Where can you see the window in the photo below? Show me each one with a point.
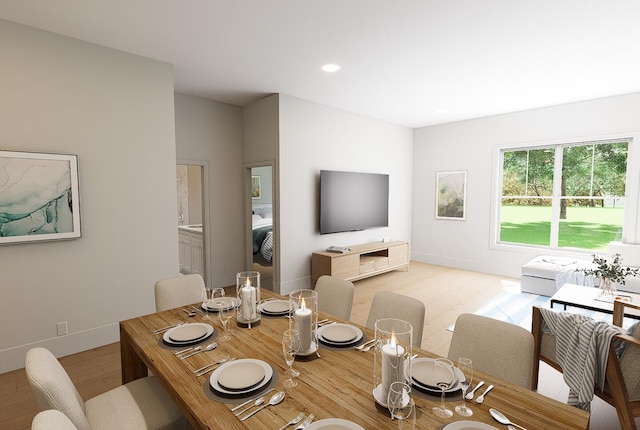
(564, 196)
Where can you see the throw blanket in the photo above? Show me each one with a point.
(582, 346)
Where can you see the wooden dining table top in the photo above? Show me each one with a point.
(337, 384)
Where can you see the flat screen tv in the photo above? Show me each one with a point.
(352, 201)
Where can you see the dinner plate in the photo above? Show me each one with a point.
(236, 368)
(187, 333)
(467, 425)
(242, 376)
(334, 424)
(330, 335)
(275, 307)
(214, 305)
(422, 375)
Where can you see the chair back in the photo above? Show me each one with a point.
(178, 291)
(52, 419)
(495, 347)
(52, 387)
(335, 296)
(386, 304)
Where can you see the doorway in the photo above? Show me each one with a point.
(262, 220)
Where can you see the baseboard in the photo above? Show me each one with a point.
(61, 346)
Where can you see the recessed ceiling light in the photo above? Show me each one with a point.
(330, 67)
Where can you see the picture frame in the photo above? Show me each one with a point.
(451, 195)
(256, 188)
(39, 197)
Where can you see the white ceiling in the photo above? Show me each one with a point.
(409, 62)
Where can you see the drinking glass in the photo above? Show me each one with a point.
(443, 377)
(206, 296)
(399, 402)
(290, 346)
(466, 367)
(211, 302)
(226, 310)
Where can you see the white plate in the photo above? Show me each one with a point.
(213, 305)
(242, 376)
(339, 333)
(334, 424)
(310, 351)
(467, 425)
(213, 379)
(275, 307)
(421, 374)
(182, 332)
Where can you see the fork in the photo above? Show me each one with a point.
(366, 346)
(305, 423)
(294, 421)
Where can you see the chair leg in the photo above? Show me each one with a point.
(619, 392)
(536, 330)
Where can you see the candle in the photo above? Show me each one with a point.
(303, 325)
(392, 364)
(248, 297)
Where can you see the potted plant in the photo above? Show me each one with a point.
(610, 272)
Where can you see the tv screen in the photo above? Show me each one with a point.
(351, 201)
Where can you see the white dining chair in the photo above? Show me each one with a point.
(335, 296)
(496, 347)
(52, 419)
(178, 291)
(386, 304)
(141, 404)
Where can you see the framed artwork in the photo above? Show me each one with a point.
(256, 189)
(39, 198)
(451, 195)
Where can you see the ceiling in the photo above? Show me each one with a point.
(409, 62)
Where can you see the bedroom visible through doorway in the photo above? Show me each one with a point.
(262, 223)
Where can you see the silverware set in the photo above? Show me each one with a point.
(211, 366)
(163, 329)
(324, 322)
(364, 347)
(190, 352)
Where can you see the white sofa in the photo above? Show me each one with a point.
(545, 274)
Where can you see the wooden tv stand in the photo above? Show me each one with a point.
(362, 261)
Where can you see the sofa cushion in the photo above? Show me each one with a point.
(629, 253)
(546, 266)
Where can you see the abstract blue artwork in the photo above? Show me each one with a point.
(39, 197)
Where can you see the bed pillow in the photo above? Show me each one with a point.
(255, 217)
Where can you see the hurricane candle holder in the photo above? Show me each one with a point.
(248, 291)
(392, 357)
(304, 319)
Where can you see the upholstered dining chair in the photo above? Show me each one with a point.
(622, 375)
(386, 304)
(140, 404)
(178, 291)
(52, 419)
(335, 296)
(495, 347)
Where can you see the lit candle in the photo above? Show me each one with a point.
(303, 325)
(392, 364)
(248, 296)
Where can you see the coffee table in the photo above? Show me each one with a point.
(590, 298)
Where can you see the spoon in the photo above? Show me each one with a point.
(258, 402)
(480, 398)
(469, 396)
(499, 416)
(275, 399)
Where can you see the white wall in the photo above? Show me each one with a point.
(471, 145)
(314, 137)
(115, 111)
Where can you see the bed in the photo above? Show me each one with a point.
(262, 240)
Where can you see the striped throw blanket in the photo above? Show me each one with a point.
(582, 346)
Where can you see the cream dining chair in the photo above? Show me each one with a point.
(52, 419)
(386, 304)
(141, 404)
(335, 296)
(178, 291)
(495, 347)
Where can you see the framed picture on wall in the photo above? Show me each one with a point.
(256, 190)
(451, 195)
(39, 198)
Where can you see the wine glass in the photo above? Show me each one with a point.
(443, 377)
(226, 310)
(206, 296)
(466, 367)
(290, 346)
(401, 405)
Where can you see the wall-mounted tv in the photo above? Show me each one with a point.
(352, 201)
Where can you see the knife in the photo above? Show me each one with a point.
(305, 423)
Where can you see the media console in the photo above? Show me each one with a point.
(361, 261)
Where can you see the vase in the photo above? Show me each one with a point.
(608, 288)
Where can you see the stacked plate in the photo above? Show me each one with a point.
(422, 376)
(187, 334)
(275, 308)
(240, 377)
(215, 305)
(339, 335)
(334, 424)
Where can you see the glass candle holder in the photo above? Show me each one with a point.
(392, 357)
(304, 319)
(248, 291)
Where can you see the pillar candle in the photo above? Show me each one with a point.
(303, 325)
(392, 365)
(248, 296)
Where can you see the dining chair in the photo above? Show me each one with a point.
(52, 419)
(178, 291)
(622, 374)
(495, 347)
(386, 304)
(335, 296)
(140, 404)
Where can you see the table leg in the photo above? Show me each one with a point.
(132, 366)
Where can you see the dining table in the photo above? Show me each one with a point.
(333, 383)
